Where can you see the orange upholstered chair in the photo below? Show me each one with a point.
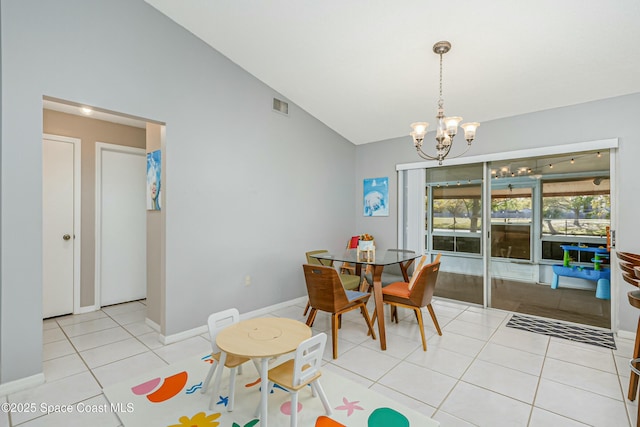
(415, 294)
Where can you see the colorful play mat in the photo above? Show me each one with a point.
(171, 397)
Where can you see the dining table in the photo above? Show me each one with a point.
(375, 260)
(260, 338)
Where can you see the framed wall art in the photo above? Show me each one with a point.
(154, 184)
(376, 196)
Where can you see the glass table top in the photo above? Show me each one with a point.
(375, 257)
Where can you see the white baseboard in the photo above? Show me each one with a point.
(87, 309)
(21, 384)
(153, 325)
(266, 310)
(168, 339)
(627, 335)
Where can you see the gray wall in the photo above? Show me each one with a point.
(1, 121)
(248, 191)
(603, 119)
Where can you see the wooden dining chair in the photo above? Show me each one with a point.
(327, 294)
(627, 262)
(304, 369)
(628, 268)
(414, 295)
(217, 322)
(634, 301)
(628, 257)
(349, 281)
(631, 278)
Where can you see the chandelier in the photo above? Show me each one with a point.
(447, 127)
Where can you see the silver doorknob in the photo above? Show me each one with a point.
(66, 237)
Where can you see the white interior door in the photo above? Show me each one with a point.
(121, 262)
(59, 188)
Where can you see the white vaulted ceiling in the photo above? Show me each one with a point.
(366, 67)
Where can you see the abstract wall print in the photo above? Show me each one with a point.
(154, 161)
(376, 196)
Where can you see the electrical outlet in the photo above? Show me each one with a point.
(247, 280)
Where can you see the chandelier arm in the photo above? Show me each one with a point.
(425, 155)
(458, 155)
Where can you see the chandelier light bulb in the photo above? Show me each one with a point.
(452, 125)
(470, 131)
(420, 127)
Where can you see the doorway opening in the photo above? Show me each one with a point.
(89, 127)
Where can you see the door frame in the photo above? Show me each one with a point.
(100, 147)
(77, 210)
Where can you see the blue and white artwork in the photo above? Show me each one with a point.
(376, 196)
(153, 180)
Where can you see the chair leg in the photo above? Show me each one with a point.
(232, 389)
(306, 309)
(217, 379)
(312, 317)
(374, 316)
(365, 286)
(323, 397)
(434, 318)
(207, 380)
(334, 334)
(633, 379)
(367, 319)
(421, 326)
(394, 313)
(294, 409)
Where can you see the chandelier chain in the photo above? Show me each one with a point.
(440, 100)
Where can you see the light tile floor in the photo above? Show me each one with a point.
(478, 373)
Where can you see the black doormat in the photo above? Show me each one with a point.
(562, 330)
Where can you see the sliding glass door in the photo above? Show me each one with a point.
(513, 229)
(454, 226)
(534, 207)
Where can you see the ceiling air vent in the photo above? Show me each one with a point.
(280, 106)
